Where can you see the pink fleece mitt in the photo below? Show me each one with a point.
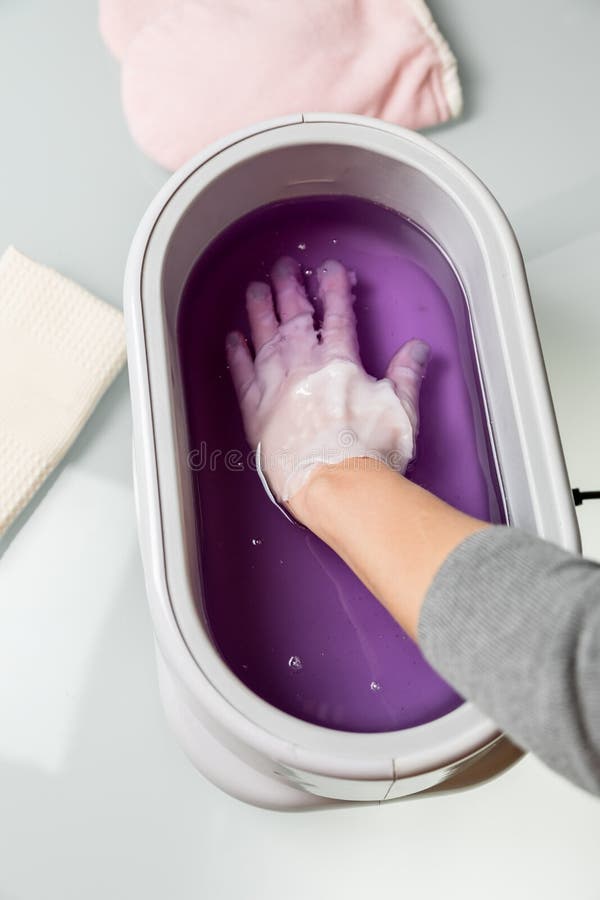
(194, 70)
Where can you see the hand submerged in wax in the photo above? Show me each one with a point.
(305, 397)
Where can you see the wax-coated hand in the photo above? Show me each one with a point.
(305, 396)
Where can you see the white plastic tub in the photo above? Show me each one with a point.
(251, 749)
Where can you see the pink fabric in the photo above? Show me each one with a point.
(194, 70)
(120, 20)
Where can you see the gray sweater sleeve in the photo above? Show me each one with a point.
(513, 622)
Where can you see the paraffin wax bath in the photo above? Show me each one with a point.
(285, 613)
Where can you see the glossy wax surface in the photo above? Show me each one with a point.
(288, 617)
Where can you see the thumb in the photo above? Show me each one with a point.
(406, 371)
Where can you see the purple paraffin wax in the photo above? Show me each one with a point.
(285, 613)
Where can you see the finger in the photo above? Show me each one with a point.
(241, 365)
(406, 371)
(338, 334)
(289, 289)
(261, 314)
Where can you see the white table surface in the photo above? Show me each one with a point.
(96, 799)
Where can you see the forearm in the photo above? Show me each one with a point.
(392, 533)
(511, 621)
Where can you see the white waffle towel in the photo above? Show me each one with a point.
(60, 348)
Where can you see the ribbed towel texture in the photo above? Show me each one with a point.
(60, 348)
